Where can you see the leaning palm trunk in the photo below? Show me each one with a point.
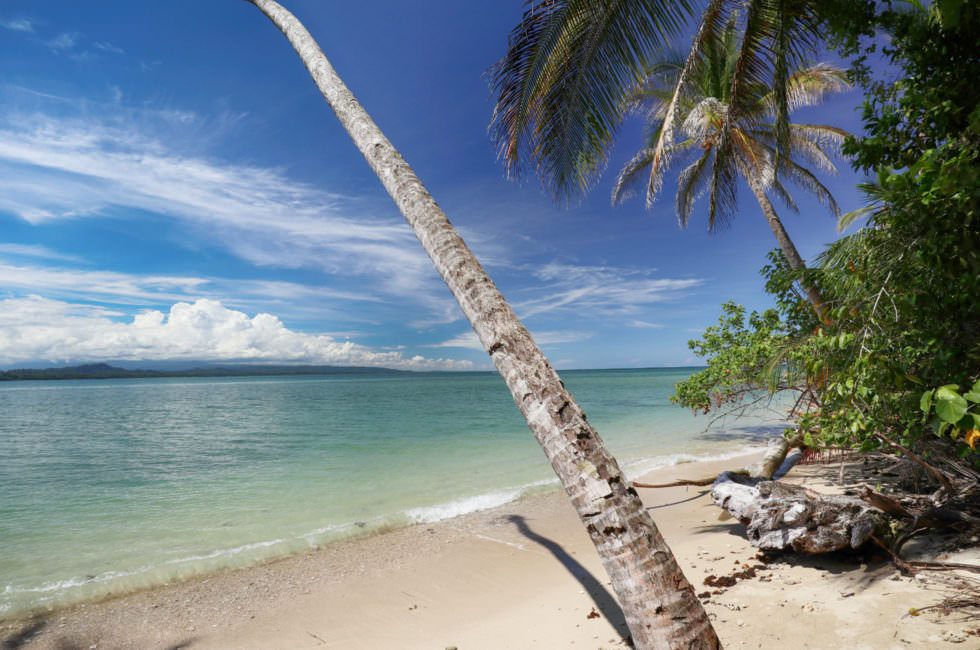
(659, 604)
(787, 247)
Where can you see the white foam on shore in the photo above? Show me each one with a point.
(637, 468)
(61, 586)
(475, 503)
(227, 552)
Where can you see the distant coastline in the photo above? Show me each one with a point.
(106, 371)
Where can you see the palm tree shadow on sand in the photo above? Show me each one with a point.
(25, 636)
(604, 601)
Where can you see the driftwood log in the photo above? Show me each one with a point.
(780, 516)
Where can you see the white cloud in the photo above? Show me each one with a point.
(596, 290)
(41, 252)
(64, 41)
(105, 46)
(35, 328)
(121, 288)
(18, 25)
(112, 287)
(642, 323)
(469, 339)
(58, 168)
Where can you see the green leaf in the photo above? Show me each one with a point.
(925, 403)
(950, 405)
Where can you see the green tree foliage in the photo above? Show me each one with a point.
(749, 358)
(903, 293)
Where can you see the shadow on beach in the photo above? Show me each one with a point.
(604, 601)
(37, 633)
(750, 434)
(21, 637)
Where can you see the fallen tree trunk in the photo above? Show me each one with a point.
(775, 454)
(780, 516)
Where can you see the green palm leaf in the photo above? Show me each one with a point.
(561, 85)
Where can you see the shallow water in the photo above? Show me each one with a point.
(108, 486)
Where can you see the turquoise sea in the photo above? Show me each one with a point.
(113, 485)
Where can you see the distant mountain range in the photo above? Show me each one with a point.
(105, 371)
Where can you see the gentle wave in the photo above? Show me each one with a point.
(62, 591)
(637, 468)
(475, 503)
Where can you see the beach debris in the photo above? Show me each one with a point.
(593, 614)
(951, 636)
(316, 637)
(781, 516)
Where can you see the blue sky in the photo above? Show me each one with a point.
(172, 186)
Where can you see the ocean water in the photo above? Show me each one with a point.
(109, 486)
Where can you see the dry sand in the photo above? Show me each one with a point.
(523, 575)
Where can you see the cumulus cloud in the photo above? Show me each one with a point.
(35, 328)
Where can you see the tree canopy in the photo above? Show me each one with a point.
(897, 364)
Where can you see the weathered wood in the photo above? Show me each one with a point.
(780, 516)
(775, 454)
(884, 503)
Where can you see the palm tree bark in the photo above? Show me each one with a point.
(786, 245)
(659, 604)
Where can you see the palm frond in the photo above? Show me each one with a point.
(845, 220)
(812, 152)
(708, 30)
(807, 181)
(780, 76)
(722, 192)
(651, 97)
(809, 142)
(631, 175)
(808, 87)
(780, 190)
(843, 250)
(561, 84)
(825, 136)
(691, 186)
(635, 171)
(702, 118)
(748, 72)
(873, 190)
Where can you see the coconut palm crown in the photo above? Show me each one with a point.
(703, 110)
(569, 63)
(691, 113)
